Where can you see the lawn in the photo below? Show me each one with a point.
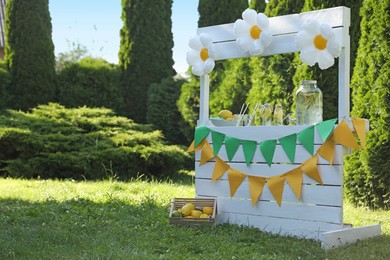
(49, 219)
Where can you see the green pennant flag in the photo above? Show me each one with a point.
(325, 128)
(231, 145)
(201, 132)
(249, 148)
(217, 139)
(267, 148)
(289, 144)
(306, 137)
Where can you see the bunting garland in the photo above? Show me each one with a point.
(329, 134)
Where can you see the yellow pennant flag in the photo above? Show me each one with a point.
(294, 179)
(207, 153)
(310, 168)
(191, 148)
(327, 150)
(343, 135)
(276, 186)
(235, 179)
(220, 168)
(256, 185)
(360, 127)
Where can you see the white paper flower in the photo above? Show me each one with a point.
(317, 43)
(252, 34)
(201, 57)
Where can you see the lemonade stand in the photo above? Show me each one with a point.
(286, 180)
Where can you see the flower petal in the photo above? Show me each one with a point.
(240, 28)
(333, 47)
(265, 38)
(244, 43)
(309, 56)
(326, 31)
(250, 16)
(325, 60)
(192, 57)
(206, 40)
(198, 68)
(208, 66)
(195, 43)
(311, 26)
(262, 21)
(256, 48)
(303, 40)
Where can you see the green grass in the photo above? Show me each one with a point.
(47, 219)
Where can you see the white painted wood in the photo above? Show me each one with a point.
(280, 226)
(288, 211)
(301, 155)
(204, 100)
(311, 194)
(333, 239)
(331, 175)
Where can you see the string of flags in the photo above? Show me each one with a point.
(330, 135)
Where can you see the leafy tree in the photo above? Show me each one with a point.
(145, 54)
(258, 5)
(272, 76)
(65, 59)
(327, 80)
(367, 172)
(29, 53)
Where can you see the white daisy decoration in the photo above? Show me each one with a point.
(201, 57)
(252, 32)
(317, 43)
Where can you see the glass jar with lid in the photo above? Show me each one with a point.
(308, 103)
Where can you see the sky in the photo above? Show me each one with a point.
(95, 24)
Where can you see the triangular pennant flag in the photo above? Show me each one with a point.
(276, 186)
(294, 179)
(220, 167)
(207, 153)
(201, 132)
(306, 137)
(325, 128)
(235, 179)
(267, 148)
(256, 185)
(249, 148)
(217, 139)
(343, 135)
(289, 144)
(360, 127)
(191, 148)
(231, 145)
(327, 150)
(310, 168)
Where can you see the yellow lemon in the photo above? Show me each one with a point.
(187, 208)
(225, 114)
(189, 217)
(208, 210)
(204, 216)
(196, 213)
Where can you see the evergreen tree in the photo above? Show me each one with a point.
(272, 76)
(145, 54)
(257, 5)
(367, 177)
(327, 80)
(29, 54)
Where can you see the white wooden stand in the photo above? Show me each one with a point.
(319, 213)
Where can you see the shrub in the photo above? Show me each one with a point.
(52, 141)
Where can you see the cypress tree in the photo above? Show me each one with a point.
(327, 80)
(367, 172)
(257, 5)
(145, 54)
(29, 54)
(272, 76)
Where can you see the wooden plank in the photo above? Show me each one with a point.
(333, 239)
(331, 175)
(285, 24)
(296, 211)
(301, 155)
(204, 100)
(279, 226)
(311, 194)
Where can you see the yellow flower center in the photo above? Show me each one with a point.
(320, 42)
(255, 32)
(204, 54)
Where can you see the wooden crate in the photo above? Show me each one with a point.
(199, 203)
